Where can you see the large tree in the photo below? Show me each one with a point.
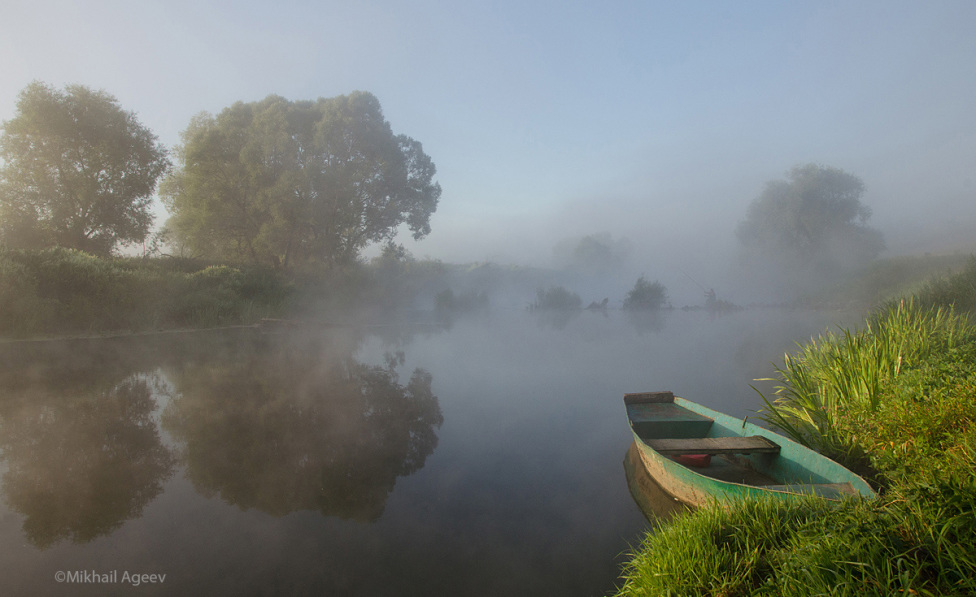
(812, 223)
(285, 182)
(78, 171)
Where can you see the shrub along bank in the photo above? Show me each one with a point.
(896, 401)
(62, 291)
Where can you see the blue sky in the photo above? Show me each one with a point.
(655, 121)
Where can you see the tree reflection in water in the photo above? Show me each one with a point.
(82, 457)
(302, 426)
(263, 421)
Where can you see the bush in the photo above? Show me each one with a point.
(66, 291)
(646, 296)
(557, 298)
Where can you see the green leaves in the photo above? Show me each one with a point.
(78, 171)
(282, 183)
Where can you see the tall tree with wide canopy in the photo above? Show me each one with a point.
(78, 171)
(813, 223)
(285, 182)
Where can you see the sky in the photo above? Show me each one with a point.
(658, 122)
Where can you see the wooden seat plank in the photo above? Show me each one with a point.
(754, 444)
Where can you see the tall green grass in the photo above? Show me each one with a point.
(846, 372)
(813, 547)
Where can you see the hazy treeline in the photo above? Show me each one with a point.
(273, 203)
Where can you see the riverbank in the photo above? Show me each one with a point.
(62, 292)
(65, 293)
(896, 401)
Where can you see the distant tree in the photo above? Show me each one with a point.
(812, 223)
(594, 253)
(78, 171)
(646, 296)
(285, 182)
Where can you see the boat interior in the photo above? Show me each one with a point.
(686, 437)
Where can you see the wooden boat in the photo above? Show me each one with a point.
(697, 455)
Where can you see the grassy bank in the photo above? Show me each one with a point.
(64, 292)
(895, 400)
(890, 279)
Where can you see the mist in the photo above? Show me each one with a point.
(653, 123)
(680, 222)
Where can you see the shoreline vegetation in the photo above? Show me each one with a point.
(895, 401)
(60, 292)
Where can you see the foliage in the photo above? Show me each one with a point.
(593, 254)
(812, 224)
(958, 290)
(279, 183)
(646, 296)
(557, 298)
(66, 291)
(78, 171)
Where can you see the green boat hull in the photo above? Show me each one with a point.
(795, 470)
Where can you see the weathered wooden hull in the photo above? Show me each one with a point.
(654, 502)
(794, 470)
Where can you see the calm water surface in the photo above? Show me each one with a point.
(483, 457)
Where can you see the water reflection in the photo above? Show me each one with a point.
(80, 459)
(657, 506)
(646, 322)
(302, 426)
(556, 319)
(264, 421)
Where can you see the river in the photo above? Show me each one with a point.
(481, 456)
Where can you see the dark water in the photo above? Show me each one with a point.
(480, 458)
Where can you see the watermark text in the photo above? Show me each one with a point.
(111, 577)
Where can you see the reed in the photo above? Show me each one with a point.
(847, 372)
